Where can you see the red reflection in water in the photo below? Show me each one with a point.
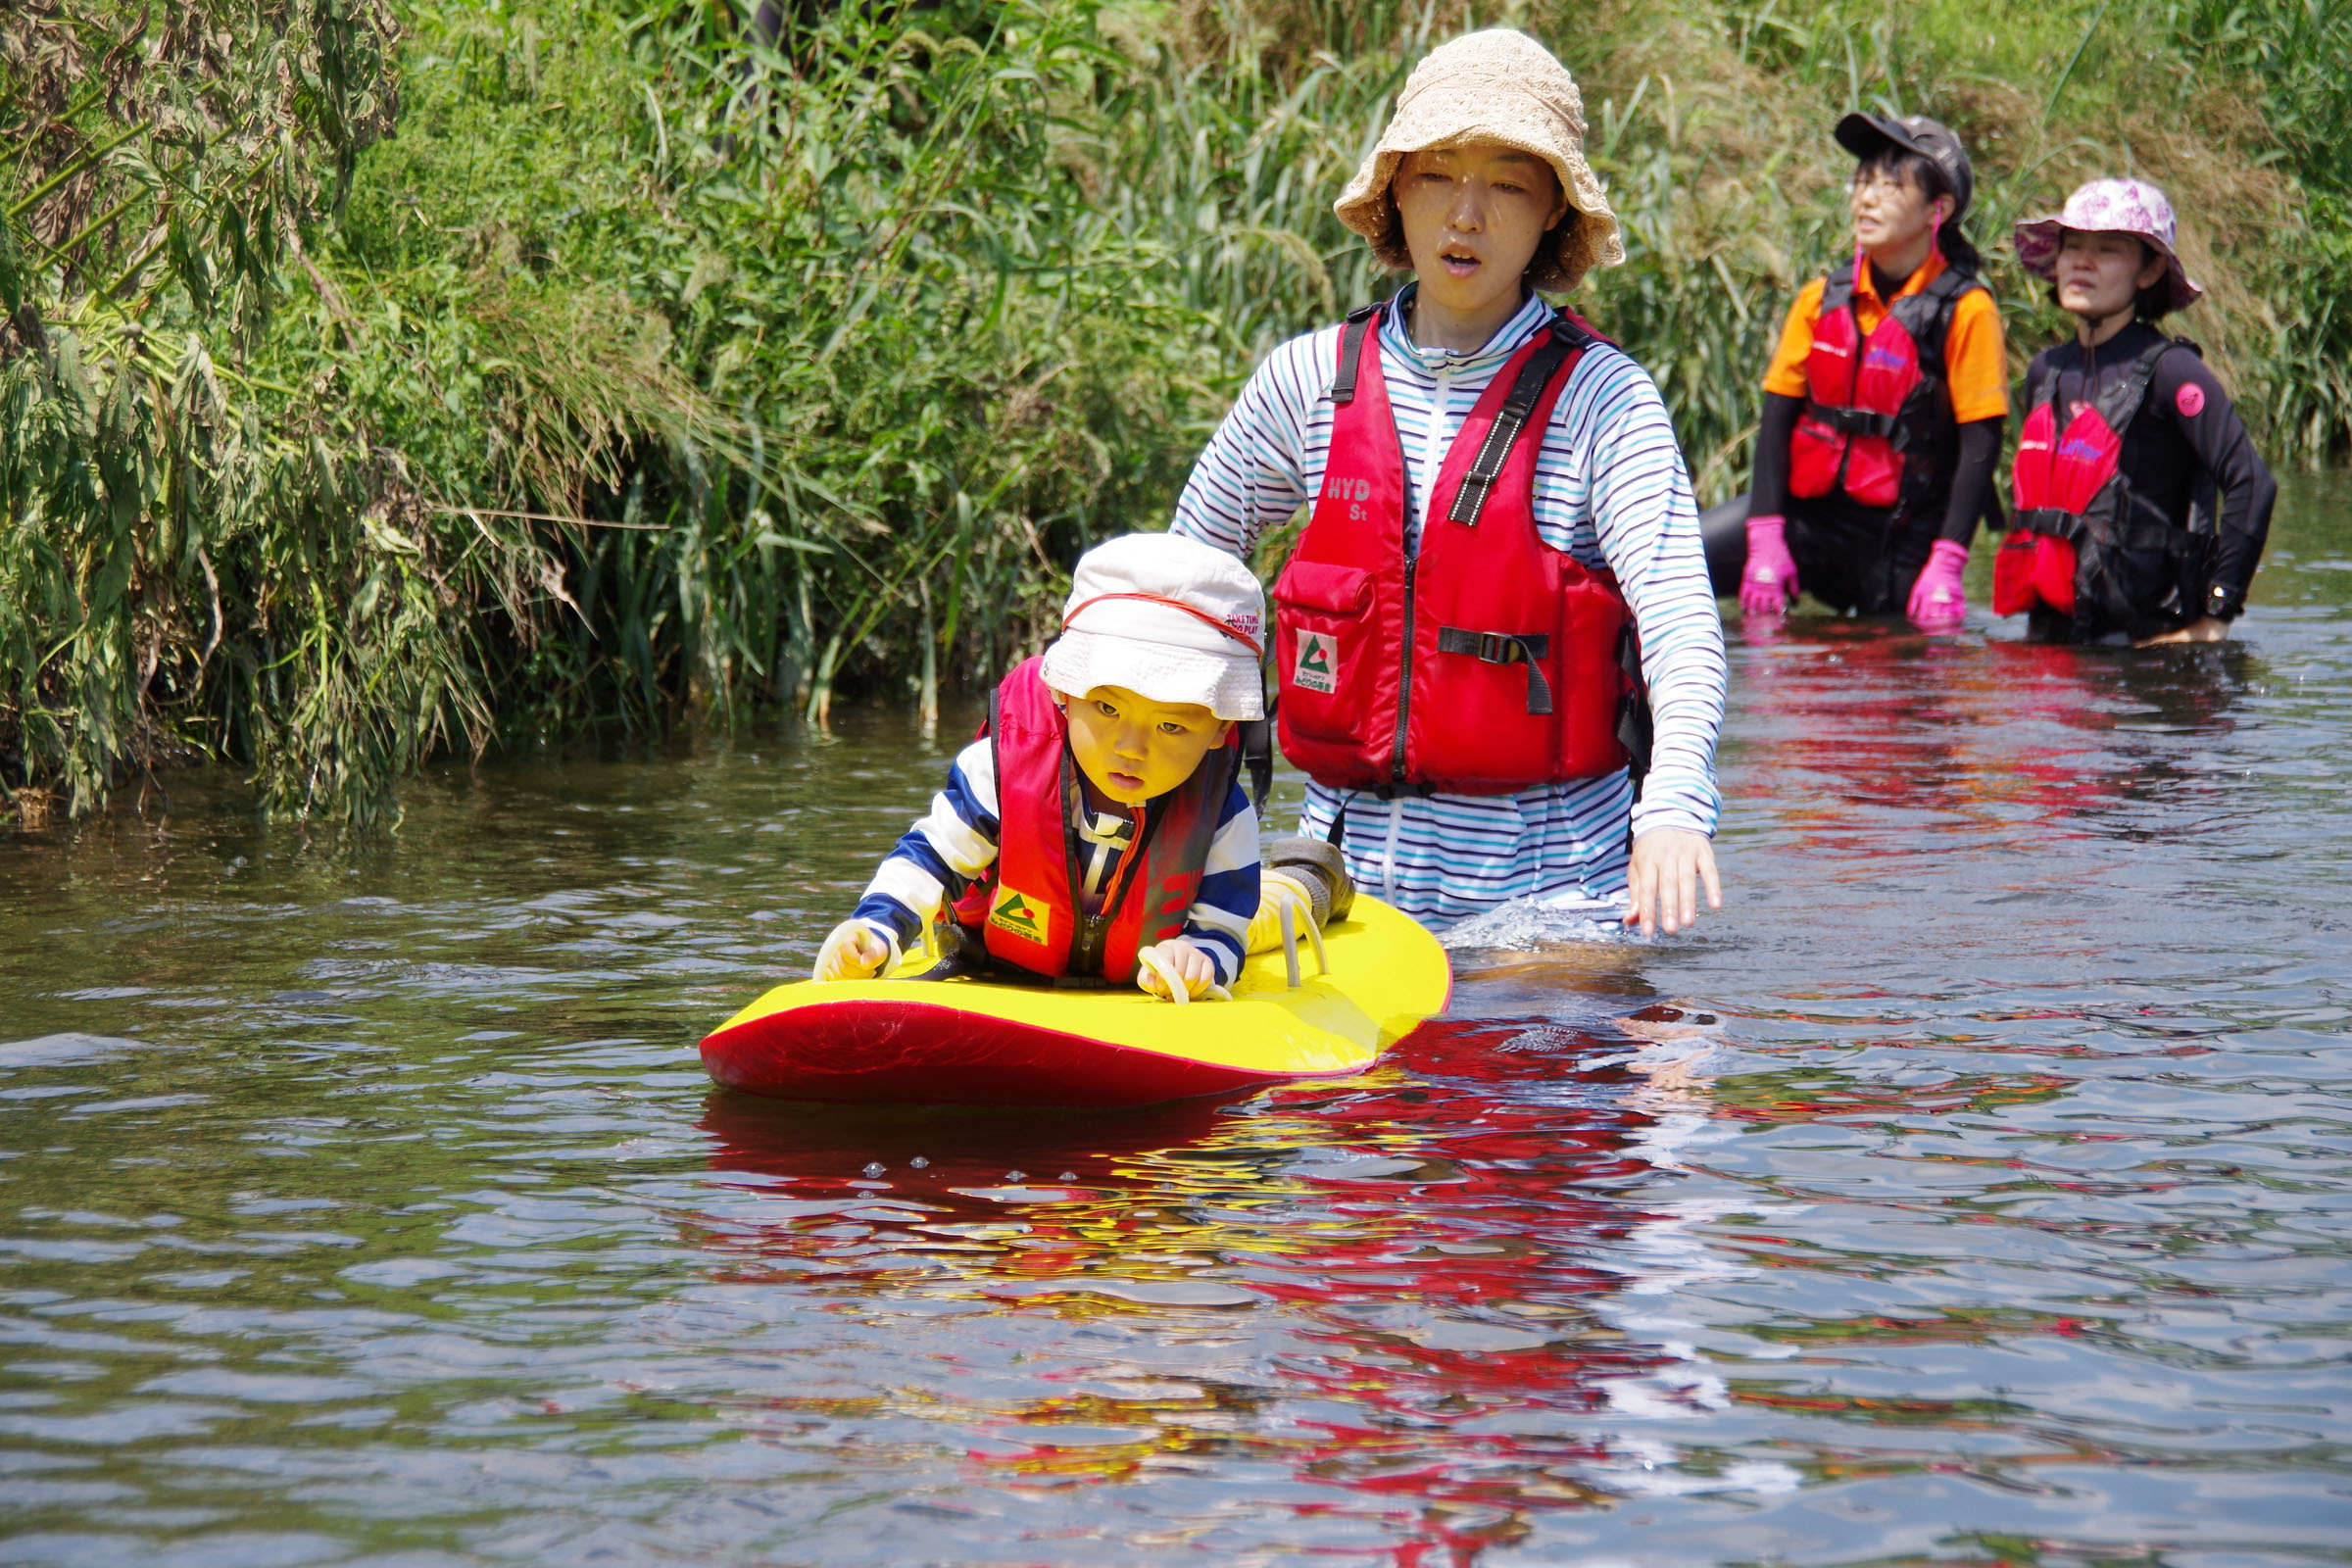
(1848, 713)
(1434, 1251)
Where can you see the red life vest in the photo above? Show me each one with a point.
(1878, 420)
(1026, 909)
(2086, 545)
(1486, 662)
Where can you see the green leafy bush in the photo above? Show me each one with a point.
(659, 371)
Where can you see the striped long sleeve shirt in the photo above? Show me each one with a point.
(1610, 489)
(956, 842)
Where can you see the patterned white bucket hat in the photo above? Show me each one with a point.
(1493, 87)
(2108, 206)
(1167, 617)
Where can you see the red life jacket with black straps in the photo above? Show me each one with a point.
(1483, 662)
(2086, 545)
(1026, 910)
(1878, 422)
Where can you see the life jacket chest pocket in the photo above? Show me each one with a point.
(1815, 450)
(2033, 570)
(1324, 622)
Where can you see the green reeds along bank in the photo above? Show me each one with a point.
(482, 376)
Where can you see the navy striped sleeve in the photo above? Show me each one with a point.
(1638, 497)
(954, 843)
(1227, 900)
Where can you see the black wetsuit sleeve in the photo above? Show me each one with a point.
(1979, 454)
(1768, 496)
(2247, 491)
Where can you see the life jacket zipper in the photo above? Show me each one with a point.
(1853, 386)
(1412, 559)
(1404, 672)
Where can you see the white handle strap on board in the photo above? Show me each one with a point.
(1291, 909)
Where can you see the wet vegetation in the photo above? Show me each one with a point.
(384, 378)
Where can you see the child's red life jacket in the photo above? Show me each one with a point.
(1485, 663)
(1026, 908)
(2086, 545)
(1878, 420)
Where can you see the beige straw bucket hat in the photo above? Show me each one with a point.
(1494, 87)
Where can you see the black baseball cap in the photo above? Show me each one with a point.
(1866, 134)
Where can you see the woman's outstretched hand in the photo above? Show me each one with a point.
(1662, 880)
(1768, 584)
(1937, 601)
(2203, 630)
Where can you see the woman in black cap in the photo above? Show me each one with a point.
(1885, 403)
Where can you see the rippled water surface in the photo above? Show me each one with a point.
(1971, 1190)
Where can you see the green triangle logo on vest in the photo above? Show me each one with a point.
(1317, 666)
(1021, 914)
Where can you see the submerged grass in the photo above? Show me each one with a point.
(657, 367)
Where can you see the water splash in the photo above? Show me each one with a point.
(1523, 925)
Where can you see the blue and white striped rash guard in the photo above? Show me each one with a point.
(959, 840)
(1610, 489)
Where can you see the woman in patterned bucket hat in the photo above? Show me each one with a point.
(2123, 206)
(2142, 507)
(1502, 553)
(1880, 436)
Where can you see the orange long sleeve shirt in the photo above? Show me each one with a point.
(1976, 363)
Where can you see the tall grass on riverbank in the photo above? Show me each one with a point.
(656, 369)
(170, 518)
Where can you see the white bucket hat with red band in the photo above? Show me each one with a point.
(1169, 619)
(2108, 206)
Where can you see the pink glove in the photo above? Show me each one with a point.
(1937, 602)
(1769, 583)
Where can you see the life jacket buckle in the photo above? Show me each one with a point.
(1494, 647)
(1505, 647)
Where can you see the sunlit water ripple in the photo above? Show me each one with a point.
(1971, 1190)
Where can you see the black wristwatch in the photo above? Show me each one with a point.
(2224, 604)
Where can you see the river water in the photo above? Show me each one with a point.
(1971, 1190)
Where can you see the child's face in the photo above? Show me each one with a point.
(1132, 749)
(1473, 216)
(2100, 274)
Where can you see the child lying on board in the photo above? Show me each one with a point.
(1099, 828)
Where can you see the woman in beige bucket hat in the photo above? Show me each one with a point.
(1502, 91)
(1501, 522)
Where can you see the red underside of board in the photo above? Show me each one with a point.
(883, 1052)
